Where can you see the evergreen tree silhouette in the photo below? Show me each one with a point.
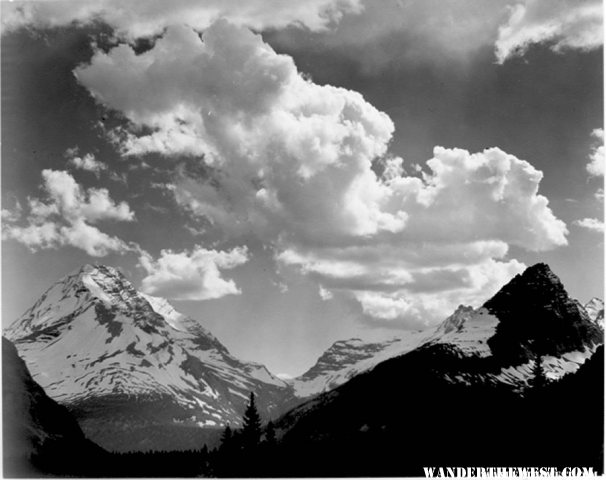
(539, 377)
(270, 435)
(226, 436)
(251, 429)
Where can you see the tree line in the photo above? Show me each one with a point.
(242, 452)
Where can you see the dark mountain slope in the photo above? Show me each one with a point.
(443, 404)
(40, 436)
(375, 426)
(572, 411)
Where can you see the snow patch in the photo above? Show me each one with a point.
(468, 330)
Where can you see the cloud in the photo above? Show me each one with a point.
(11, 216)
(65, 218)
(592, 224)
(230, 98)
(424, 307)
(374, 35)
(563, 24)
(281, 286)
(294, 163)
(195, 275)
(400, 33)
(144, 18)
(87, 162)
(324, 294)
(73, 203)
(596, 166)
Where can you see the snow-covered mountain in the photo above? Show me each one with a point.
(347, 358)
(531, 318)
(475, 333)
(123, 361)
(595, 310)
(137, 374)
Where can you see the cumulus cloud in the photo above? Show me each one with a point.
(66, 215)
(563, 24)
(592, 224)
(87, 162)
(143, 18)
(10, 216)
(231, 98)
(479, 282)
(195, 275)
(596, 166)
(294, 162)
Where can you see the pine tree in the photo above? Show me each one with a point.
(270, 434)
(226, 436)
(251, 429)
(539, 380)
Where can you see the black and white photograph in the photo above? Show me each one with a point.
(302, 239)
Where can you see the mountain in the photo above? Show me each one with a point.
(595, 310)
(536, 313)
(469, 333)
(471, 394)
(39, 435)
(139, 375)
(133, 371)
(375, 426)
(348, 358)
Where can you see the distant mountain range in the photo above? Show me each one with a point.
(138, 375)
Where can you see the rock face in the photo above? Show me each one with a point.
(39, 435)
(536, 316)
(134, 372)
(595, 310)
(531, 318)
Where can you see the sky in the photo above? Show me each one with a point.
(296, 173)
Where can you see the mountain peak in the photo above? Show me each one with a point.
(92, 337)
(534, 310)
(100, 273)
(541, 271)
(85, 289)
(109, 285)
(95, 269)
(539, 267)
(537, 285)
